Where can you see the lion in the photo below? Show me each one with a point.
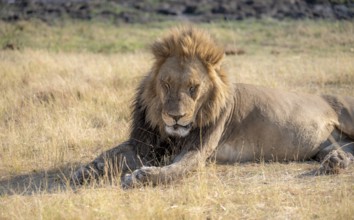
(187, 112)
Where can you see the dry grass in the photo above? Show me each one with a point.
(58, 109)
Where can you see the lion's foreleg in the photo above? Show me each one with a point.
(194, 154)
(120, 159)
(155, 175)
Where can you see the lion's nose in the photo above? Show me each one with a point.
(176, 117)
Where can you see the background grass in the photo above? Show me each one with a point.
(105, 37)
(64, 98)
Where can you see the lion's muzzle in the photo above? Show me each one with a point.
(178, 125)
(178, 130)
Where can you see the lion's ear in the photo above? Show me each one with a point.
(212, 55)
(215, 63)
(160, 49)
(218, 64)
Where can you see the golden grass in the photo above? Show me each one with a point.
(58, 109)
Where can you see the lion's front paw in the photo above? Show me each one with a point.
(335, 161)
(87, 173)
(140, 177)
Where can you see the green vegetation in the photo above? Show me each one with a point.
(253, 36)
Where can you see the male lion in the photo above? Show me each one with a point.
(187, 111)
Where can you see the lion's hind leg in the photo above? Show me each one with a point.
(336, 157)
(339, 154)
(344, 108)
(111, 163)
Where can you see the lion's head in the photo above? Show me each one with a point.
(186, 87)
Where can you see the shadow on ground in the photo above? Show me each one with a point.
(58, 179)
(48, 181)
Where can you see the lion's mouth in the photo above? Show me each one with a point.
(176, 126)
(178, 130)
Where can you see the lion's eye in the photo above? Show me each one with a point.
(165, 85)
(192, 90)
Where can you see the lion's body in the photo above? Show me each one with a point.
(187, 111)
(273, 125)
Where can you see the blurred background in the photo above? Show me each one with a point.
(138, 11)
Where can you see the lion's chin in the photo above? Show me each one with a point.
(178, 130)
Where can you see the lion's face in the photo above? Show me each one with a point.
(182, 87)
(186, 87)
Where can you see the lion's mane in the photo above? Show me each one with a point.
(187, 44)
